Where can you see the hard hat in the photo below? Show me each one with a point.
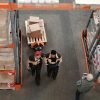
(89, 77)
(38, 53)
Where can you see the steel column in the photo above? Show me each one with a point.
(16, 48)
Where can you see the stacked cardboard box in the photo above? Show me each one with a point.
(7, 64)
(34, 29)
(7, 59)
(5, 28)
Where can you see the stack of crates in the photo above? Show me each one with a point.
(7, 63)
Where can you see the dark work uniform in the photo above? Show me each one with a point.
(52, 69)
(36, 69)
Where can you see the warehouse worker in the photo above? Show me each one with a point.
(84, 85)
(52, 60)
(35, 63)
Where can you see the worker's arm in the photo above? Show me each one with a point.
(78, 83)
(59, 60)
(32, 62)
(46, 59)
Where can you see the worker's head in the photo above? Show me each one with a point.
(89, 77)
(38, 54)
(53, 53)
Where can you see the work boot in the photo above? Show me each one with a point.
(33, 73)
(54, 78)
(48, 75)
(37, 83)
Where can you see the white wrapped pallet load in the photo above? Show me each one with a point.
(35, 1)
(27, 1)
(24, 1)
(21, 1)
(55, 1)
(95, 2)
(48, 1)
(41, 1)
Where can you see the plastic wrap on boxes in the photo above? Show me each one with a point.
(55, 1)
(48, 1)
(34, 1)
(38, 1)
(24, 1)
(41, 1)
(98, 53)
(96, 59)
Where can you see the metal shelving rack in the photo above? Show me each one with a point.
(10, 51)
(91, 39)
(7, 64)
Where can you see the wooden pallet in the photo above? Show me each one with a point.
(7, 78)
(36, 40)
(6, 50)
(6, 86)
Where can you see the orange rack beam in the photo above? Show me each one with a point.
(7, 71)
(8, 46)
(87, 65)
(60, 6)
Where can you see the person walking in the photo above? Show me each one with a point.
(52, 60)
(35, 64)
(84, 85)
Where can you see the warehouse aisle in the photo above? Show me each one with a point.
(59, 38)
(63, 33)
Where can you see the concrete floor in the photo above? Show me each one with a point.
(63, 30)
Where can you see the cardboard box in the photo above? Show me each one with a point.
(34, 27)
(5, 78)
(33, 20)
(35, 31)
(6, 50)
